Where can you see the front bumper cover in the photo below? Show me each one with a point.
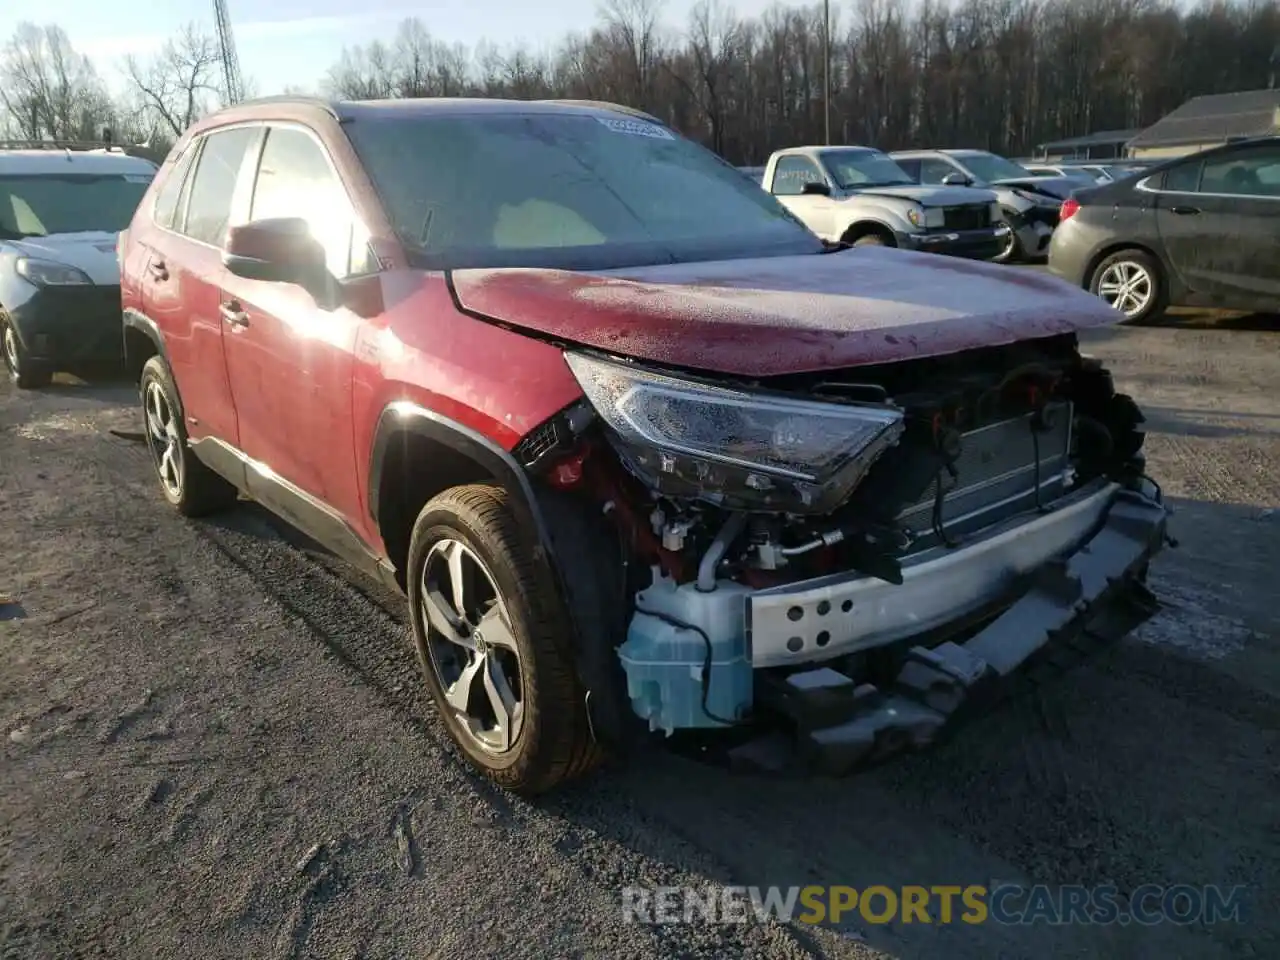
(1094, 595)
(70, 324)
(982, 244)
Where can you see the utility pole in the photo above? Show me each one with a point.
(826, 71)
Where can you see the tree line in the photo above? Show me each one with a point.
(1004, 75)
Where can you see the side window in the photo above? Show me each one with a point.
(209, 206)
(933, 171)
(1184, 178)
(295, 180)
(1249, 173)
(166, 205)
(790, 174)
(911, 166)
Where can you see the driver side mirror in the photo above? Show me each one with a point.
(956, 180)
(813, 189)
(278, 250)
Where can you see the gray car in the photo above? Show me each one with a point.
(1196, 231)
(1029, 204)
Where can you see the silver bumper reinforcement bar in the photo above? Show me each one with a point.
(1076, 602)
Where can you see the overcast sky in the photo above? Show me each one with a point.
(293, 42)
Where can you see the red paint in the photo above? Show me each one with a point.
(783, 315)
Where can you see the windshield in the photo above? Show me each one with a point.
(38, 205)
(854, 169)
(567, 191)
(989, 167)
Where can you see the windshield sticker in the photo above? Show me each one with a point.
(139, 177)
(637, 128)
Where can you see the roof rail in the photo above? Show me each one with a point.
(81, 145)
(300, 99)
(606, 105)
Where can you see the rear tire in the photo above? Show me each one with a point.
(186, 483)
(512, 702)
(22, 370)
(1133, 282)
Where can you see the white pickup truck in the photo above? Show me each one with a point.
(859, 195)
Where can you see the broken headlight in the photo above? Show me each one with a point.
(735, 448)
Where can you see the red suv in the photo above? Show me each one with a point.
(644, 453)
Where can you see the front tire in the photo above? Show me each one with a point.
(186, 483)
(493, 640)
(1132, 282)
(1012, 252)
(873, 240)
(25, 373)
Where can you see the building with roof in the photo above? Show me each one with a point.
(1209, 121)
(1102, 145)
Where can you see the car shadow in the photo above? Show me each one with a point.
(101, 383)
(1187, 422)
(1207, 319)
(1149, 764)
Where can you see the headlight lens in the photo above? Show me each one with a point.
(916, 216)
(735, 448)
(935, 217)
(997, 215)
(47, 273)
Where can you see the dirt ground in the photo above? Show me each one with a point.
(214, 743)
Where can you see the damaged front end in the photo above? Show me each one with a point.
(853, 556)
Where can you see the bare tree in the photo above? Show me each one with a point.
(47, 89)
(175, 86)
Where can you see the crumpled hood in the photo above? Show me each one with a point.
(93, 251)
(930, 196)
(779, 315)
(1058, 187)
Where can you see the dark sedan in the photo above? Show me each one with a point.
(1202, 230)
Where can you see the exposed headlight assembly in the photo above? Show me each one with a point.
(47, 273)
(735, 448)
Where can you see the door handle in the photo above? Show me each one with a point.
(1185, 211)
(234, 314)
(158, 269)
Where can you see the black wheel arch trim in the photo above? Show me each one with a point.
(595, 635)
(134, 319)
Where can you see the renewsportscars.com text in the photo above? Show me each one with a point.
(1147, 905)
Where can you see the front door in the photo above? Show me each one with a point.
(815, 211)
(291, 360)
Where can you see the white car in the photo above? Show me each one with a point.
(61, 209)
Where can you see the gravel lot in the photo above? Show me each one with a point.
(215, 744)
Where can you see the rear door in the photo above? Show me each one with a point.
(291, 361)
(1219, 222)
(184, 273)
(817, 212)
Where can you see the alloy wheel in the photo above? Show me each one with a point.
(1127, 286)
(472, 648)
(11, 350)
(1010, 245)
(163, 438)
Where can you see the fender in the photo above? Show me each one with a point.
(595, 633)
(133, 319)
(870, 221)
